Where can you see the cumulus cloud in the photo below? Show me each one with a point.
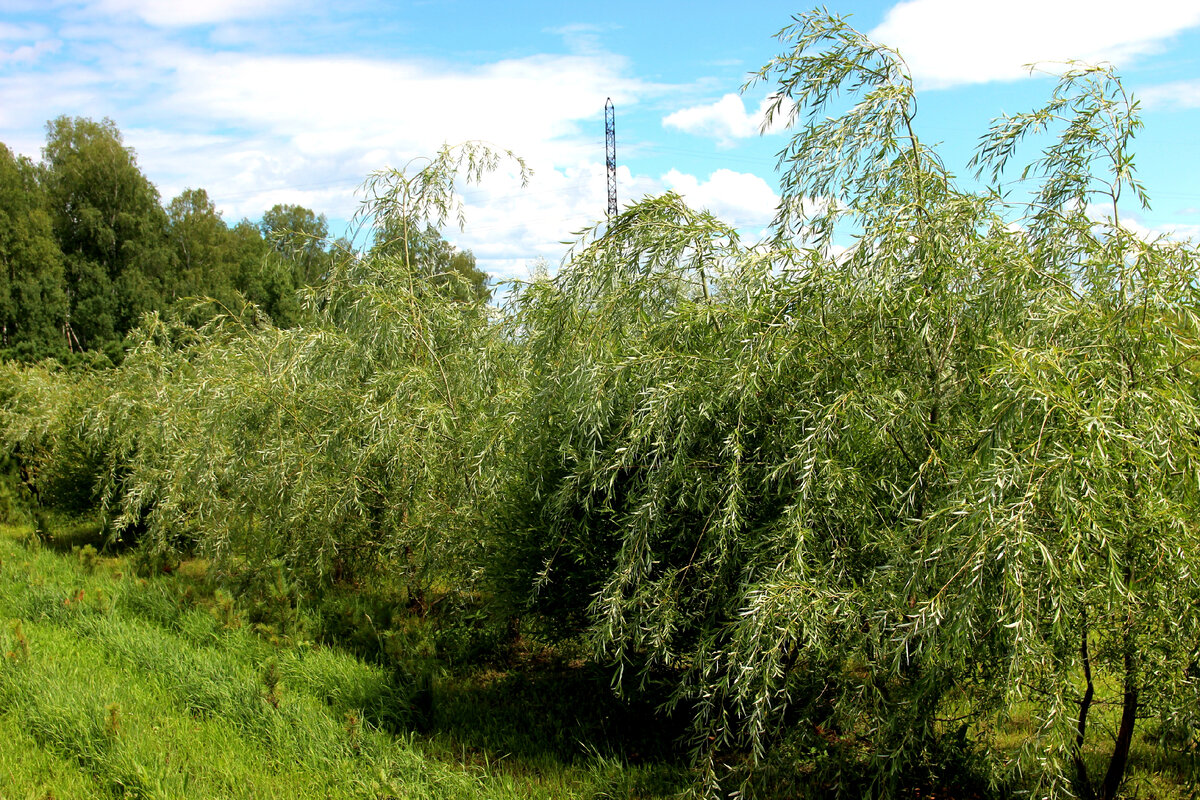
(741, 199)
(10, 31)
(241, 124)
(1134, 223)
(31, 99)
(25, 44)
(1174, 95)
(1173, 231)
(725, 120)
(257, 129)
(325, 122)
(509, 227)
(336, 103)
(951, 42)
(28, 53)
(581, 37)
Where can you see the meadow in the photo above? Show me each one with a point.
(115, 685)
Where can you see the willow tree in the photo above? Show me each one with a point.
(1073, 544)
(840, 495)
(39, 405)
(332, 447)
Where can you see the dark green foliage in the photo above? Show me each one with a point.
(261, 275)
(299, 235)
(432, 261)
(33, 303)
(203, 249)
(14, 495)
(469, 630)
(110, 228)
(86, 250)
(560, 708)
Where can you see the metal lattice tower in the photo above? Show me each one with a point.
(610, 136)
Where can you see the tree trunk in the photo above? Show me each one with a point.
(1129, 708)
(1115, 775)
(1083, 782)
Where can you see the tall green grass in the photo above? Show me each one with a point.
(117, 686)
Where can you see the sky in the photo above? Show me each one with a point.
(297, 101)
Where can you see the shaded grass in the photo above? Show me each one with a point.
(1153, 772)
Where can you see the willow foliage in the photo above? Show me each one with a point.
(339, 445)
(845, 497)
(40, 409)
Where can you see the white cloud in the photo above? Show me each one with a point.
(255, 130)
(28, 43)
(724, 120)
(10, 31)
(1176, 95)
(953, 42)
(31, 99)
(330, 105)
(240, 123)
(1133, 222)
(582, 38)
(308, 130)
(509, 227)
(28, 53)
(1172, 231)
(179, 13)
(1181, 231)
(741, 199)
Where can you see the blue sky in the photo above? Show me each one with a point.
(296, 101)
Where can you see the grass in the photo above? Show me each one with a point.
(1153, 772)
(114, 685)
(117, 686)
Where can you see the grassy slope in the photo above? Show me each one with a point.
(126, 687)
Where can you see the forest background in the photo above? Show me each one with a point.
(89, 248)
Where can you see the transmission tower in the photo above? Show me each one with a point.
(610, 135)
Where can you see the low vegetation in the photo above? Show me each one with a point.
(115, 685)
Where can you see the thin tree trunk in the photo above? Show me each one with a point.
(1129, 699)
(1081, 774)
(1129, 708)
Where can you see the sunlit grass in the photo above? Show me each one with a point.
(132, 687)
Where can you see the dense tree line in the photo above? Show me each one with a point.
(88, 249)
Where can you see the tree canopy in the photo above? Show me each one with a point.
(89, 249)
(33, 303)
(431, 260)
